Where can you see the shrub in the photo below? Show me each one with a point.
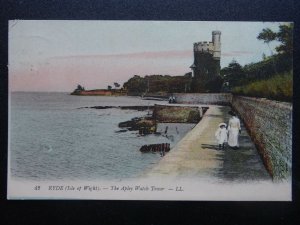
(279, 87)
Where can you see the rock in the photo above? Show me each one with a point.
(121, 131)
(162, 148)
(143, 125)
(130, 123)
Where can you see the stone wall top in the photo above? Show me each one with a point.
(283, 105)
(204, 98)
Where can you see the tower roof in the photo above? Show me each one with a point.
(216, 32)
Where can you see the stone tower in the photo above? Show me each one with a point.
(206, 66)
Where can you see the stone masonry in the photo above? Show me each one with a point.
(209, 99)
(270, 127)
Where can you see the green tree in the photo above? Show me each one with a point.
(214, 85)
(109, 87)
(136, 84)
(267, 35)
(80, 88)
(188, 75)
(233, 73)
(116, 84)
(284, 36)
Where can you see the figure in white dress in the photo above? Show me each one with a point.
(234, 128)
(221, 135)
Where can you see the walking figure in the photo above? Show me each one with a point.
(221, 135)
(172, 99)
(166, 131)
(234, 129)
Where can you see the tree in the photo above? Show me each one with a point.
(284, 35)
(267, 35)
(116, 85)
(136, 84)
(233, 73)
(188, 75)
(158, 84)
(214, 85)
(109, 87)
(80, 88)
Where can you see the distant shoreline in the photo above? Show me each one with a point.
(117, 92)
(99, 92)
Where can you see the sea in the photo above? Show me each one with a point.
(56, 136)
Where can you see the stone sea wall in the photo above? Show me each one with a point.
(209, 99)
(270, 127)
(269, 124)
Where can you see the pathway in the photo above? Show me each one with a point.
(197, 155)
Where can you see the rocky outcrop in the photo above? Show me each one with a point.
(162, 148)
(144, 125)
(176, 114)
(93, 92)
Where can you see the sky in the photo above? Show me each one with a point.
(55, 56)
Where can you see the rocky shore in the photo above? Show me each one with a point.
(157, 114)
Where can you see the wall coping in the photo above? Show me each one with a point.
(286, 105)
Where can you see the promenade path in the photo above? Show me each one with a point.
(197, 155)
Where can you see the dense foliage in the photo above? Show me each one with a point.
(271, 66)
(233, 74)
(279, 87)
(270, 78)
(158, 83)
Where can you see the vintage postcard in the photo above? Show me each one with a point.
(150, 110)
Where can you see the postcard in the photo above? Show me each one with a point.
(150, 110)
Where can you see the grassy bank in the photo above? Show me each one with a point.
(279, 87)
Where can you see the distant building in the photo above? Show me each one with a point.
(206, 66)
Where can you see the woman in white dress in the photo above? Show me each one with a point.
(234, 128)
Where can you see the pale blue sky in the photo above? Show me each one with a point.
(56, 55)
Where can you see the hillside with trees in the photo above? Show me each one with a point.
(270, 78)
(159, 84)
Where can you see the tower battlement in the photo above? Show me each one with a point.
(213, 47)
(216, 32)
(203, 46)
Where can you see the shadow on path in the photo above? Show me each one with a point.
(210, 146)
(244, 163)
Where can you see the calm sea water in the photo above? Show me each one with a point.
(53, 138)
